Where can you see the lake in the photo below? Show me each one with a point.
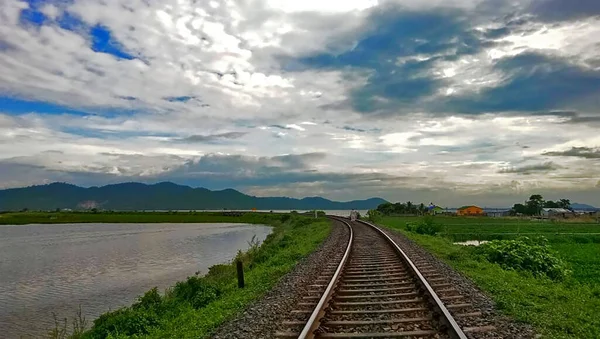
(339, 213)
(56, 268)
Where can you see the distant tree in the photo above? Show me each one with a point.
(564, 203)
(410, 208)
(519, 209)
(551, 204)
(399, 208)
(386, 208)
(535, 204)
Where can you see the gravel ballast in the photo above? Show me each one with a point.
(504, 327)
(263, 318)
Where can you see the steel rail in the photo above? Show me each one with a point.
(451, 326)
(315, 318)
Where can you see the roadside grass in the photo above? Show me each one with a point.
(22, 218)
(195, 307)
(557, 309)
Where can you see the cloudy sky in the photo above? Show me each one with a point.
(450, 101)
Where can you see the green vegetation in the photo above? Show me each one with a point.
(533, 206)
(195, 307)
(21, 218)
(525, 254)
(566, 308)
(536, 202)
(482, 228)
(399, 208)
(374, 215)
(583, 259)
(425, 226)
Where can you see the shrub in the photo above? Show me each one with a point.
(525, 254)
(124, 321)
(427, 226)
(150, 299)
(374, 215)
(219, 272)
(197, 291)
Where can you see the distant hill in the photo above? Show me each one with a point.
(161, 196)
(583, 207)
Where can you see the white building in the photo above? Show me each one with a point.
(556, 213)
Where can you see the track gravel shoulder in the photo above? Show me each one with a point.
(504, 326)
(262, 318)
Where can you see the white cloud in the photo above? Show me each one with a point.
(206, 68)
(50, 11)
(321, 6)
(575, 41)
(296, 127)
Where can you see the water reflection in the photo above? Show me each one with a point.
(55, 268)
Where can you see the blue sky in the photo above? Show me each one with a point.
(457, 101)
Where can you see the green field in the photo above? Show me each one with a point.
(482, 228)
(557, 309)
(584, 260)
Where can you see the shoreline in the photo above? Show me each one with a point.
(214, 298)
(25, 218)
(51, 268)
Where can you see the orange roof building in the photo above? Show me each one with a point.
(470, 210)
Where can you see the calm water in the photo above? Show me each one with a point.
(56, 268)
(340, 213)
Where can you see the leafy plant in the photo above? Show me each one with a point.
(426, 226)
(526, 254)
(150, 299)
(374, 215)
(197, 291)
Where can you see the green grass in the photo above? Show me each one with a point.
(567, 309)
(21, 218)
(195, 307)
(483, 228)
(584, 260)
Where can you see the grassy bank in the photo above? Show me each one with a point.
(195, 307)
(22, 218)
(557, 309)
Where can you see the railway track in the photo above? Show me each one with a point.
(376, 291)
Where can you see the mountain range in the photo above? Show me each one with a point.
(161, 196)
(583, 207)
